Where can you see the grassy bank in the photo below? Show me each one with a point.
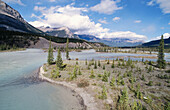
(119, 85)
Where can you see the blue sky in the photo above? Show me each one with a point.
(135, 19)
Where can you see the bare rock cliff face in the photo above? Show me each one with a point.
(11, 20)
(9, 11)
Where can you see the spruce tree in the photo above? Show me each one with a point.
(79, 72)
(161, 62)
(59, 61)
(105, 77)
(50, 54)
(104, 93)
(95, 65)
(113, 65)
(92, 74)
(99, 63)
(86, 62)
(112, 82)
(67, 51)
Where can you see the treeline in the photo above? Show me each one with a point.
(7, 47)
(130, 49)
(13, 40)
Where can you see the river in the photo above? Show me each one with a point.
(20, 89)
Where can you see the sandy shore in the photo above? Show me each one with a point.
(87, 98)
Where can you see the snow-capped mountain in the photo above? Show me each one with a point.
(115, 42)
(11, 20)
(59, 32)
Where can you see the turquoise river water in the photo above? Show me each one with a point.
(20, 89)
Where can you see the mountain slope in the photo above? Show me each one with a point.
(155, 43)
(16, 32)
(59, 32)
(11, 20)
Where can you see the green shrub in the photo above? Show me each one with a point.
(99, 75)
(56, 74)
(143, 77)
(105, 77)
(150, 69)
(79, 72)
(119, 80)
(103, 67)
(99, 63)
(122, 82)
(86, 62)
(129, 74)
(95, 65)
(76, 62)
(108, 62)
(104, 93)
(88, 67)
(74, 74)
(123, 100)
(125, 75)
(92, 74)
(112, 82)
(150, 83)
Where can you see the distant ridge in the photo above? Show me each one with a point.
(113, 42)
(155, 43)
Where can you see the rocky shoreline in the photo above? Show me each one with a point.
(87, 100)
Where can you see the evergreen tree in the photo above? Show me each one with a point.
(108, 62)
(67, 51)
(104, 93)
(59, 61)
(95, 65)
(79, 72)
(105, 77)
(86, 62)
(50, 54)
(112, 82)
(99, 63)
(75, 72)
(103, 67)
(92, 74)
(113, 65)
(161, 62)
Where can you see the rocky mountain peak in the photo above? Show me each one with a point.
(9, 11)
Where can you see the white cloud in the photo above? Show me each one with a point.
(116, 19)
(163, 4)
(168, 23)
(39, 24)
(37, 8)
(38, 3)
(137, 21)
(74, 19)
(102, 21)
(15, 2)
(106, 7)
(124, 34)
(165, 36)
(52, 0)
(151, 3)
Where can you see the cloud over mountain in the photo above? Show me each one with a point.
(76, 19)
